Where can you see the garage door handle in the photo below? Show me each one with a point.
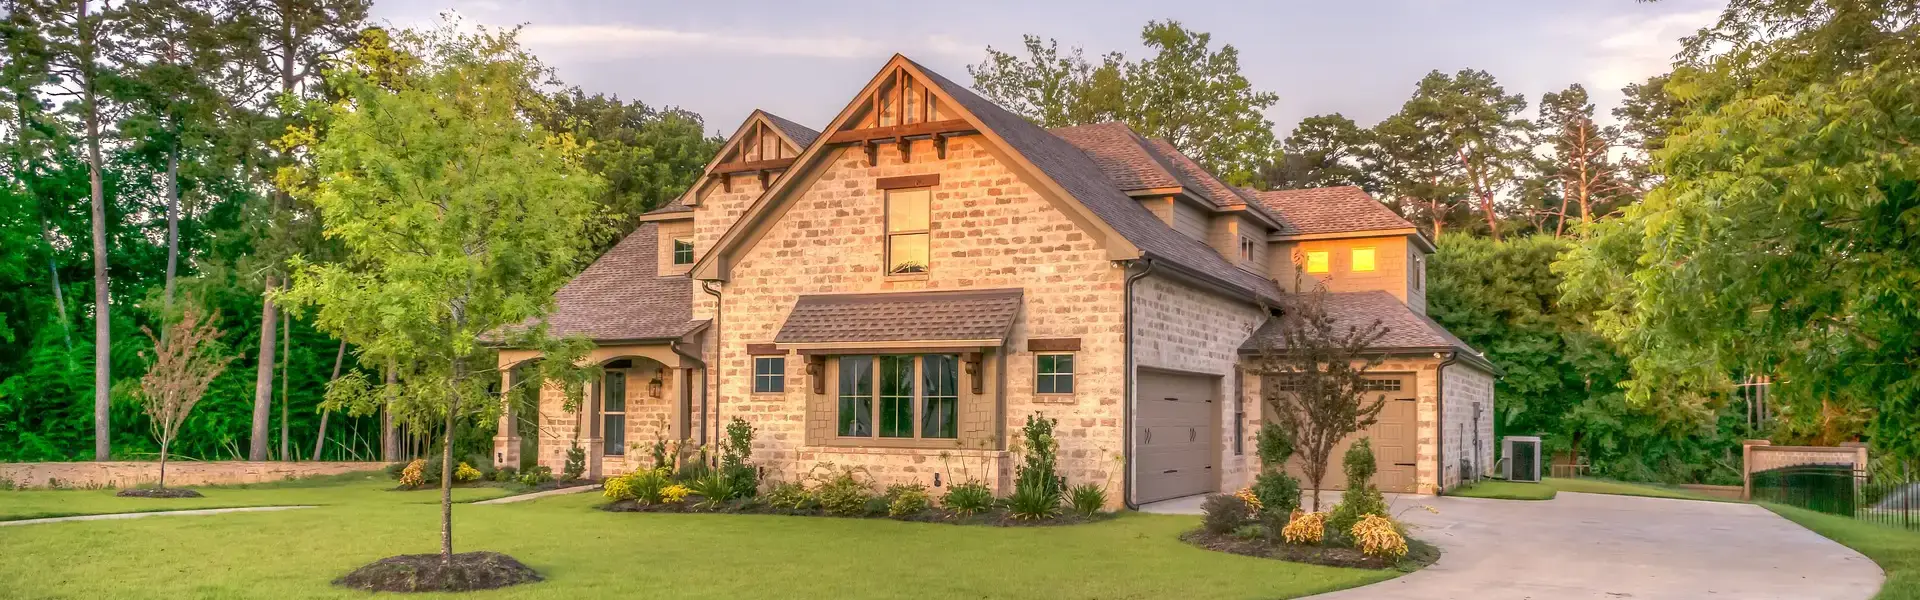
(1406, 464)
(1149, 436)
(1192, 434)
(1169, 471)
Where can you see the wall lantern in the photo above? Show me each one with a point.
(653, 387)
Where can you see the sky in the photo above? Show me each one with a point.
(805, 60)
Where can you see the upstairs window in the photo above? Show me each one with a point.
(1419, 273)
(1363, 259)
(1246, 249)
(1317, 261)
(682, 251)
(907, 230)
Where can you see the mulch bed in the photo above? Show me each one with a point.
(158, 493)
(1419, 554)
(468, 571)
(996, 518)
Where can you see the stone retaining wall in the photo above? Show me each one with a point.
(123, 474)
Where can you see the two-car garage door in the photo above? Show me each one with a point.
(1174, 435)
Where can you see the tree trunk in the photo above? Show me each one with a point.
(286, 355)
(163, 463)
(389, 435)
(173, 228)
(59, 295)
(320, 441)
(263, 376)
(102, 322)
(446, 470)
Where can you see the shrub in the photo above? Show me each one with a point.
(1034, 503)
(648, 485)
(791, 495)
(1306, 529)
(481, 463)
(1224, 513)
(1253, 501)
(1361, 498)
(576, 463)
(506, 474)
(1274, 445)
(536, 475)
(1250, 532)
(714, 490)
(430, 472)
(842, 492)
(694, 468)
(1277, 492)
(1037, 472)
(393, 470)
(617, 489)
(465, 473)
(414, 474)
(968, 498)
(734, 455)
(907, 499)
(876, 506)
(1087, 499)
(1377, 536)
(675, 494)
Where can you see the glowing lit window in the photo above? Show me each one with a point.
(1317, 262)
(1363, 259)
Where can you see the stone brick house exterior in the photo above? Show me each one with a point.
(903, 288)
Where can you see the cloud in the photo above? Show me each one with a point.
(631, 40)
(1632, 49)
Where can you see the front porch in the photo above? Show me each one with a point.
(646, 393)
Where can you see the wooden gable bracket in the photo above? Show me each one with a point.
(763, 177)
(873, 156)
(905, 147)
(940, 145)
(817, 373)
(726, 181)
(975, 375)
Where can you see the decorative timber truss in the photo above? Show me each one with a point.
(899, 110)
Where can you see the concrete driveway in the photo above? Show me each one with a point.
(1579, 546)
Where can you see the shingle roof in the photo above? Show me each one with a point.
(1406, 329)
(1134, 162)
(1330, 210)
(671, 207)
(1081, 177)
(623, 297)
(801, 135)
(901, 317)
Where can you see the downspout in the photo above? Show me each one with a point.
(719, 345)
(1440, 423)
(1126, 407)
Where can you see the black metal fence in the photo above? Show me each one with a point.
(1840, 489)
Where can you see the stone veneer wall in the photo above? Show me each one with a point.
(990, 229)
(1467, 386)
(124, 474)
(1180, 328)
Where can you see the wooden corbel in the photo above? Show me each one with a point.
(817, 373)
(905, 147)
(975, 374)
(940, 145)
(873, 153)
(726, 182)
(763, 178)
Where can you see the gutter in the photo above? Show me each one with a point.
(1440, 424)
(1126, 407)
(719, 306)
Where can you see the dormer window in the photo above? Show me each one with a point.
(907, 230)
(1363, 259)
(1317, 261)
(682, 251)
(1246, 249)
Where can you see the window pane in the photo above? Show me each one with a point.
(614, 394)
(1316, 262)
(907, 253)
(614, 435)
(896, 396)
(1363, 259)
(1054, 374)
(769, 374)
(940, 385)
(683, 252)
(907, 210)
(856, 396)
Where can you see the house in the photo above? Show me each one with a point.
(901, 289)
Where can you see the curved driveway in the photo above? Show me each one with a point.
(1580, 546)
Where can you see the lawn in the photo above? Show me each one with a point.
(1505, 490)
(1620, 488)
(1897, 551)
(351, 488)
(589, 553)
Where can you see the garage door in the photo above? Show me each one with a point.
(1394, 437)
(1173, 435)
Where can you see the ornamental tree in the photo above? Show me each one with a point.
(1313, 372)
(185, 360)
(459, 219)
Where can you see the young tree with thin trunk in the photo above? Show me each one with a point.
(185, 361)
(459, 217)
(1313, 372)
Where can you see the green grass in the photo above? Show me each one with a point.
(351, 488)
(1505, 490)
(1620, 488)
(1897, 551)
(584, 552)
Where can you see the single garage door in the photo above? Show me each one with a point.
(1173, 435)
(1394, 437)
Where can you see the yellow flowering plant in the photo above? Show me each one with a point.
(1306, 528)
(415, 475)
(1377, 536)
(465, 473)
(675, 494)
(1246, 495)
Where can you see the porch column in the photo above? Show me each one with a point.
(506, 442)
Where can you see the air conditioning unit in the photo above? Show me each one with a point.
(1523, 458)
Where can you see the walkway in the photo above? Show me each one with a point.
(155, 513)
(537, 495)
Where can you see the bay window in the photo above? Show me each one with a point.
(905, 396)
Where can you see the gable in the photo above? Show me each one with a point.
(763, 146)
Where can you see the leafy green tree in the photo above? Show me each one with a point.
(1581, 164)
(1417, 172)
(1479, 124)
(1187, 93)
(648, 157)
(1782, 238)
(460, 218)
(1323, 151)
(1647, 115)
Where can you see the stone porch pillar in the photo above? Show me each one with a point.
(506, 442)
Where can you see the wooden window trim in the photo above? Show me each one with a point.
(907, 182)
(1053, 344)
(1072, 375)
(764, 349)
(675, 259)
(782, 376)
